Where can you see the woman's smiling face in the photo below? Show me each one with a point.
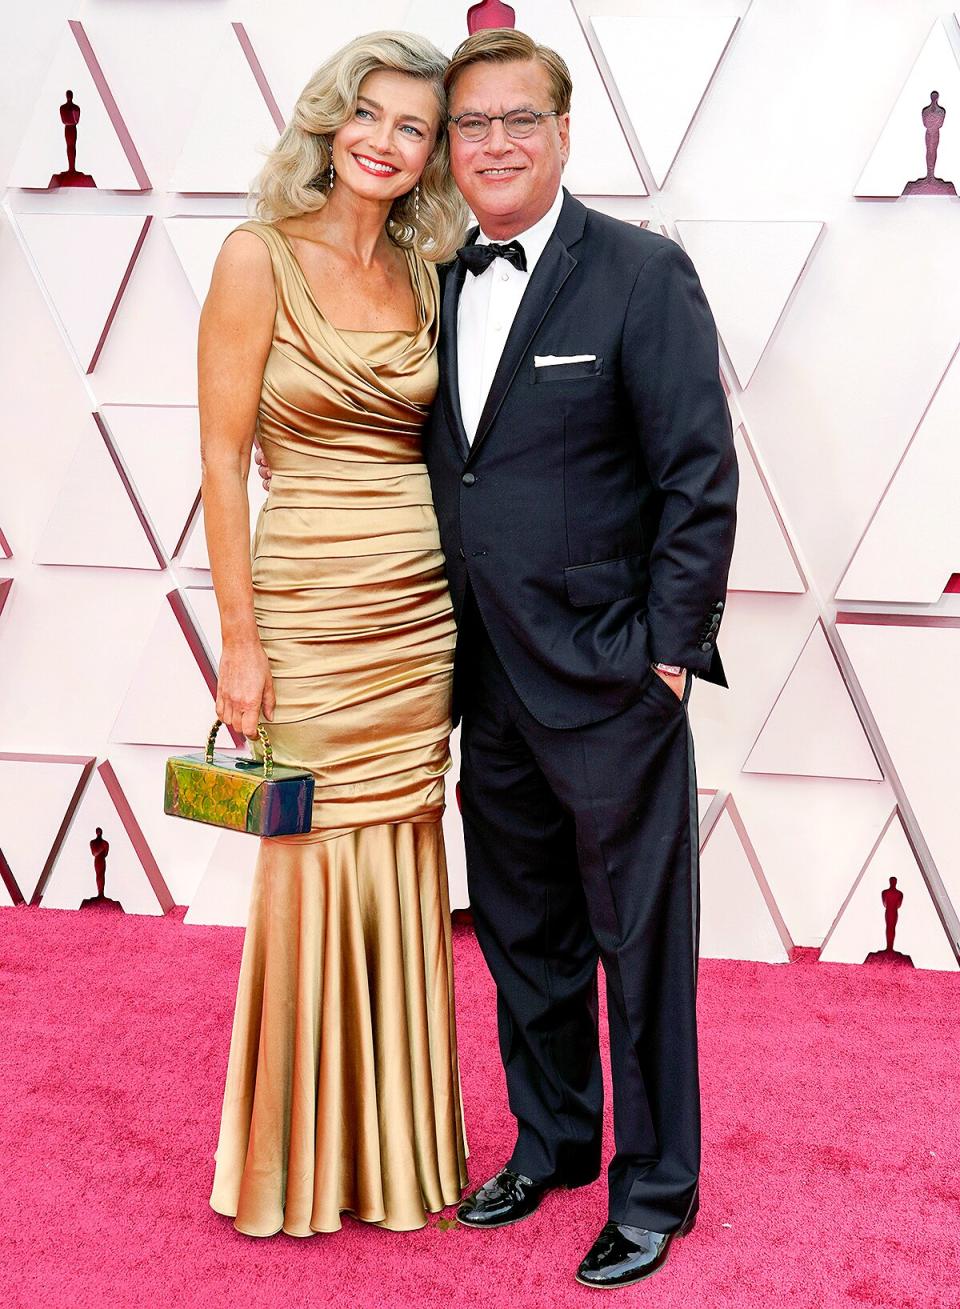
(382, 151)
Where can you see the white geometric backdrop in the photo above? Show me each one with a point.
(774, 141)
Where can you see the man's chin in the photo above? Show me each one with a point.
(497, 198)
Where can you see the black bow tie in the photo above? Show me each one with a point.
(478, 258)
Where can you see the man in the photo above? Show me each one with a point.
(583, 472)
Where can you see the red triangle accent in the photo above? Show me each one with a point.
(490, 13)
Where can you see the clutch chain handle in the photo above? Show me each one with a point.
(264, 741)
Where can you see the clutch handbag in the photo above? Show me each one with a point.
(242, 794)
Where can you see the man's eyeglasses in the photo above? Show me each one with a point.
(517, 123)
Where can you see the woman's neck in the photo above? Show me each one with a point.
(357, 227)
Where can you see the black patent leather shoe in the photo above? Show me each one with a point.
(505, 1199)
(622, 1255)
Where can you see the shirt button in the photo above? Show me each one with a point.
(468, 479)
(504, 277)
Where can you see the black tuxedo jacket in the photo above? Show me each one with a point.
(594, 514)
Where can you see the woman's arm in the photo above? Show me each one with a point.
(236, 329)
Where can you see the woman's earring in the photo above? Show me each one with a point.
(416, 203)
(331, 175)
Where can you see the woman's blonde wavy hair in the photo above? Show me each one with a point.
(295, 178)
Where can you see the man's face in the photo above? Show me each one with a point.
(508, 183)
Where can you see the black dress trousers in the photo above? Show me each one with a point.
(582, 845)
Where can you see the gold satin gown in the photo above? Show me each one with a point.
(342, 1090)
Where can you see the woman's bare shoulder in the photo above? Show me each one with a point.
(244, 264)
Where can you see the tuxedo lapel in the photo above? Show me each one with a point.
(449, 366)
(553, 268)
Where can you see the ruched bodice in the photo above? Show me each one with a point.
(342, 1090)
(352, 397)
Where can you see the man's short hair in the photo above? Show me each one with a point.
(504, 45)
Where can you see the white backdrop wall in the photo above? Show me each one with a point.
(774, 141)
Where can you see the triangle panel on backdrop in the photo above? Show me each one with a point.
(193, 552)
(321, 30)
(157, 306)
(10, 893)
(5, 551)
(236, 123)
(707, 803)
(600, 159)
(171, 697)
(95, 523)
(813, 729)
(133, 879)
(899, 158)
(105, 153)
(894, 561)
(861, 928)
(160, 447)
(907, 668)
(662, 66)
(812, 836)
(197, 241)
(223, 896)
(749, 271)
(182, 849)
(205, 617)
(763, 559)
(739, 918)
(38, 794)
(84, 262)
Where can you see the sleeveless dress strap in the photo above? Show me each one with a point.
(271, 238)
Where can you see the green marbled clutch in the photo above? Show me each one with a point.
(244, 795)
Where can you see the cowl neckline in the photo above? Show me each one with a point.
(384, 345)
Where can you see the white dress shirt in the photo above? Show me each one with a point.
(488, 306)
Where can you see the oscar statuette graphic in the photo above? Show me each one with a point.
(70, 117)
(490, 13)
(933, 116)
(100, 848)
(892, 899)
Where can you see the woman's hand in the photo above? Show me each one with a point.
(244, 687)
(263, 468)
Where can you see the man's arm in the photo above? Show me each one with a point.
(671, 373)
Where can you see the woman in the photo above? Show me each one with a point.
(319, 333)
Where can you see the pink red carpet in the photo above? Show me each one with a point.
(831, 1132)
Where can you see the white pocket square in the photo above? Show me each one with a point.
(550, 361)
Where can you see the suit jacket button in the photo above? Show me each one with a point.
(706, 647)
(719, 606)
(468, 479)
